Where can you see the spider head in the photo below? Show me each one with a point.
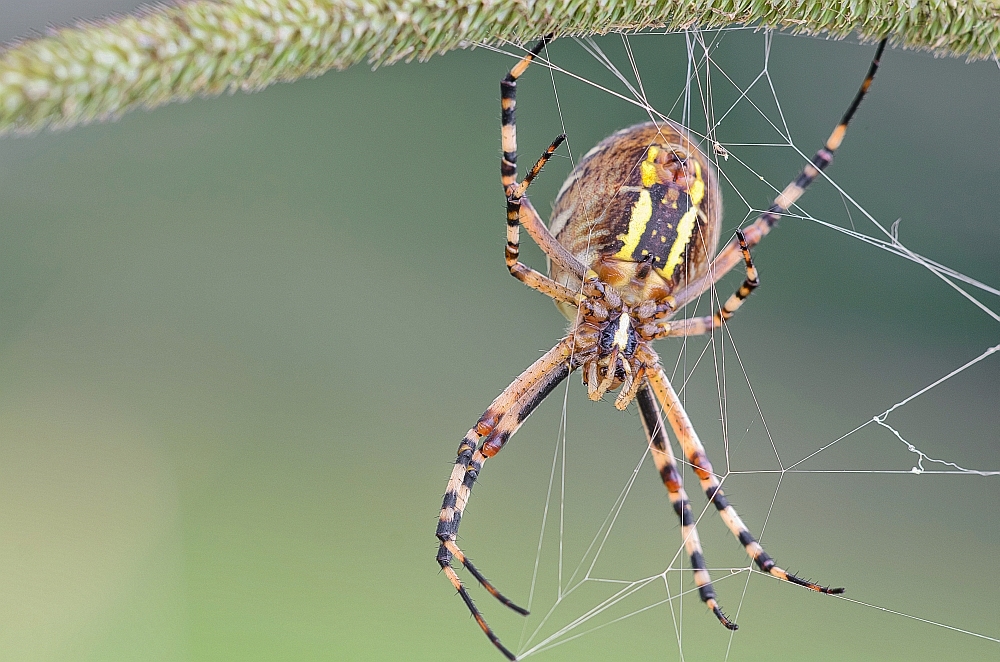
(618, 336)
(608, 337)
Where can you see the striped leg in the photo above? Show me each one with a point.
(508, 123)
(518, 269)
(729, 257)
(663, 457)
(694, 451)
(696, 326)
(515, 192)
(539, 232)
(493, 429)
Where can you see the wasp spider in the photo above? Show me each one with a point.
(620, 275)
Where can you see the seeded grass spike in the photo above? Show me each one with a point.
(101, 69)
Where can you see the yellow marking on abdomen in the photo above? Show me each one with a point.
(642, 211)
(647, 169)
(697, 192)
(685, 228)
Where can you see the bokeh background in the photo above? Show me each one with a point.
(240, 339)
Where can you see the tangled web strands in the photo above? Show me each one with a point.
(715, 94)
(99, 70)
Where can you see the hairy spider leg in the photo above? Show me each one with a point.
(539, 232)
(729, 256)
(695, 454)
(486, 438)
(696, 326)
(663, 458)
(515, 192)
(530, 277)
(508, 106)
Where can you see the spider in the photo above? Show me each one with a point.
(619, 275)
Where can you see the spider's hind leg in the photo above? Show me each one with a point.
(530, 277)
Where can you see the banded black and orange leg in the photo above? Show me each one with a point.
(696, 326)
(695, 454)
(729, 257)
(508, 115)
(492, 431)
(518, 269)
(515, 193)
(663, 457)
(539, 233)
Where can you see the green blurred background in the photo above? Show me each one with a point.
(241, 337)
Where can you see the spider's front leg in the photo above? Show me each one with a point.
(491, 432)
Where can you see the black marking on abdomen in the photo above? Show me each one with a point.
(661, 231)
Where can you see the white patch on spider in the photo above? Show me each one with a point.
(621, 333)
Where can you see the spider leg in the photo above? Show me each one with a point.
(696, 326)
(663, 457)
(695, 454)
(530, 277)
(729, 256)
(491, 432)
(539, 232)
(508, 123)
(515, 194)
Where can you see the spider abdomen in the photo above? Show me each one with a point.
(642, 209)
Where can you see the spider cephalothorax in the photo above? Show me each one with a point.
(632, 240)
(608, 335)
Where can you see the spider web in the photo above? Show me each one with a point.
(577, 590)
